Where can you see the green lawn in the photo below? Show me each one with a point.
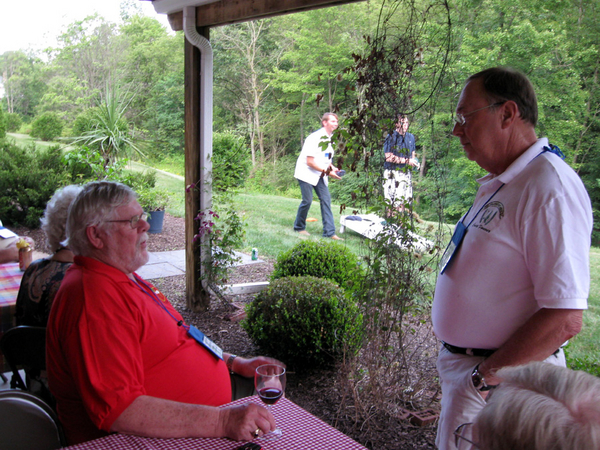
(583, 350)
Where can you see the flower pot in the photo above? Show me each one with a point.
(155, 219)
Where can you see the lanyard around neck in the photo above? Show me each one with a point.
(146, 289)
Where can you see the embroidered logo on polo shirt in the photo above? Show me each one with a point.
(489, 217)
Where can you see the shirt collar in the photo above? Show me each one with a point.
(518, 164)
(100, 267)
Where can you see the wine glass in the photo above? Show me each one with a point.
(269, 380)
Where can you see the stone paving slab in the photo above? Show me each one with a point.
(168, 264)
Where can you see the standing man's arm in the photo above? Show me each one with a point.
(310, 161)
(536, 340)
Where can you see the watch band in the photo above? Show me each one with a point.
(229, 363)
(479, 381)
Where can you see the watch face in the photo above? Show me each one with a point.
(476, 379)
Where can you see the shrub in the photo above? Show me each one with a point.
(3, 124)
(47, 127)
(13, 122)
(28, 178)
(231, 161)
(330, 260)
(304, 321)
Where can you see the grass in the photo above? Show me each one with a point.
(174, 184)
(24, 140)
(583, 352)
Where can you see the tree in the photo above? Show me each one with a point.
(2, 124)
(249, 51)
(22, 78)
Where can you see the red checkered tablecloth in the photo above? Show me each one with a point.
(10, 280)
(301, 431)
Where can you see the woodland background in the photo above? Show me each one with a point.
(275, 77)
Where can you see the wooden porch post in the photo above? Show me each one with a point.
(196, 297)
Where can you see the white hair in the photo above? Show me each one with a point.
(95, 203)
(541, 406)
(54, 221)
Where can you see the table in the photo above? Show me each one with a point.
(10, 280)
(301, 431)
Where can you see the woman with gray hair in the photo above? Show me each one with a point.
(537, 406)
(42, 278)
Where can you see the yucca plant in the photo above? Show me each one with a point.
(110, 131)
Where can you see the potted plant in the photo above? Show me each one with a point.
(154, 201)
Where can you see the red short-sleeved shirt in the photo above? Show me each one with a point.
(108, 342)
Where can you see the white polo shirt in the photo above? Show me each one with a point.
(323, 157)
(526, 249)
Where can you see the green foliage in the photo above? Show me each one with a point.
(88, 165)
(166, 116)
(304, 321)
(3, 127)
(275, 178)
(28, 179)
(330, 260)
(231, 161)
(13, 122)
(219, 234)
(110, 133)
(47, 127)
(152, 198)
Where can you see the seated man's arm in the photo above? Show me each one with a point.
(155, 417)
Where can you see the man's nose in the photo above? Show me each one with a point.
(457, 129)
(143, 226)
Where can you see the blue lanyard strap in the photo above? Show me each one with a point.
(146, 289)
(483, 206)
(551, 148)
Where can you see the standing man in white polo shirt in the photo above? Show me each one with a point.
(514, 280)
(313, 168)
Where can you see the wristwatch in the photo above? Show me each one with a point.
(229, 363)
(479, 381)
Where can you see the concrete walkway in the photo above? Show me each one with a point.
(169, 264)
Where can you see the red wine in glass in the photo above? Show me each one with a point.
(270, 395)
(269, 381)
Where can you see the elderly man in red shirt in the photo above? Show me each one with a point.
(119, 357)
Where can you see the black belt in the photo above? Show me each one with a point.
(468, 351)
(476, 351)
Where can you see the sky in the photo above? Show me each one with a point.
(35, 24)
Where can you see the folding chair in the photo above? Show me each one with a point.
(25, 347)
(27, 422)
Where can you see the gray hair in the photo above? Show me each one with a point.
(94, 205)
(541, 406)
(55, 215)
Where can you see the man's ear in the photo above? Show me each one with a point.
(510, 113)
(94, 235)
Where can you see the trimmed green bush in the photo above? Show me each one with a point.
(330, 260)
(47, 127)
(13, 122)
(28, 179)
(304, 321)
